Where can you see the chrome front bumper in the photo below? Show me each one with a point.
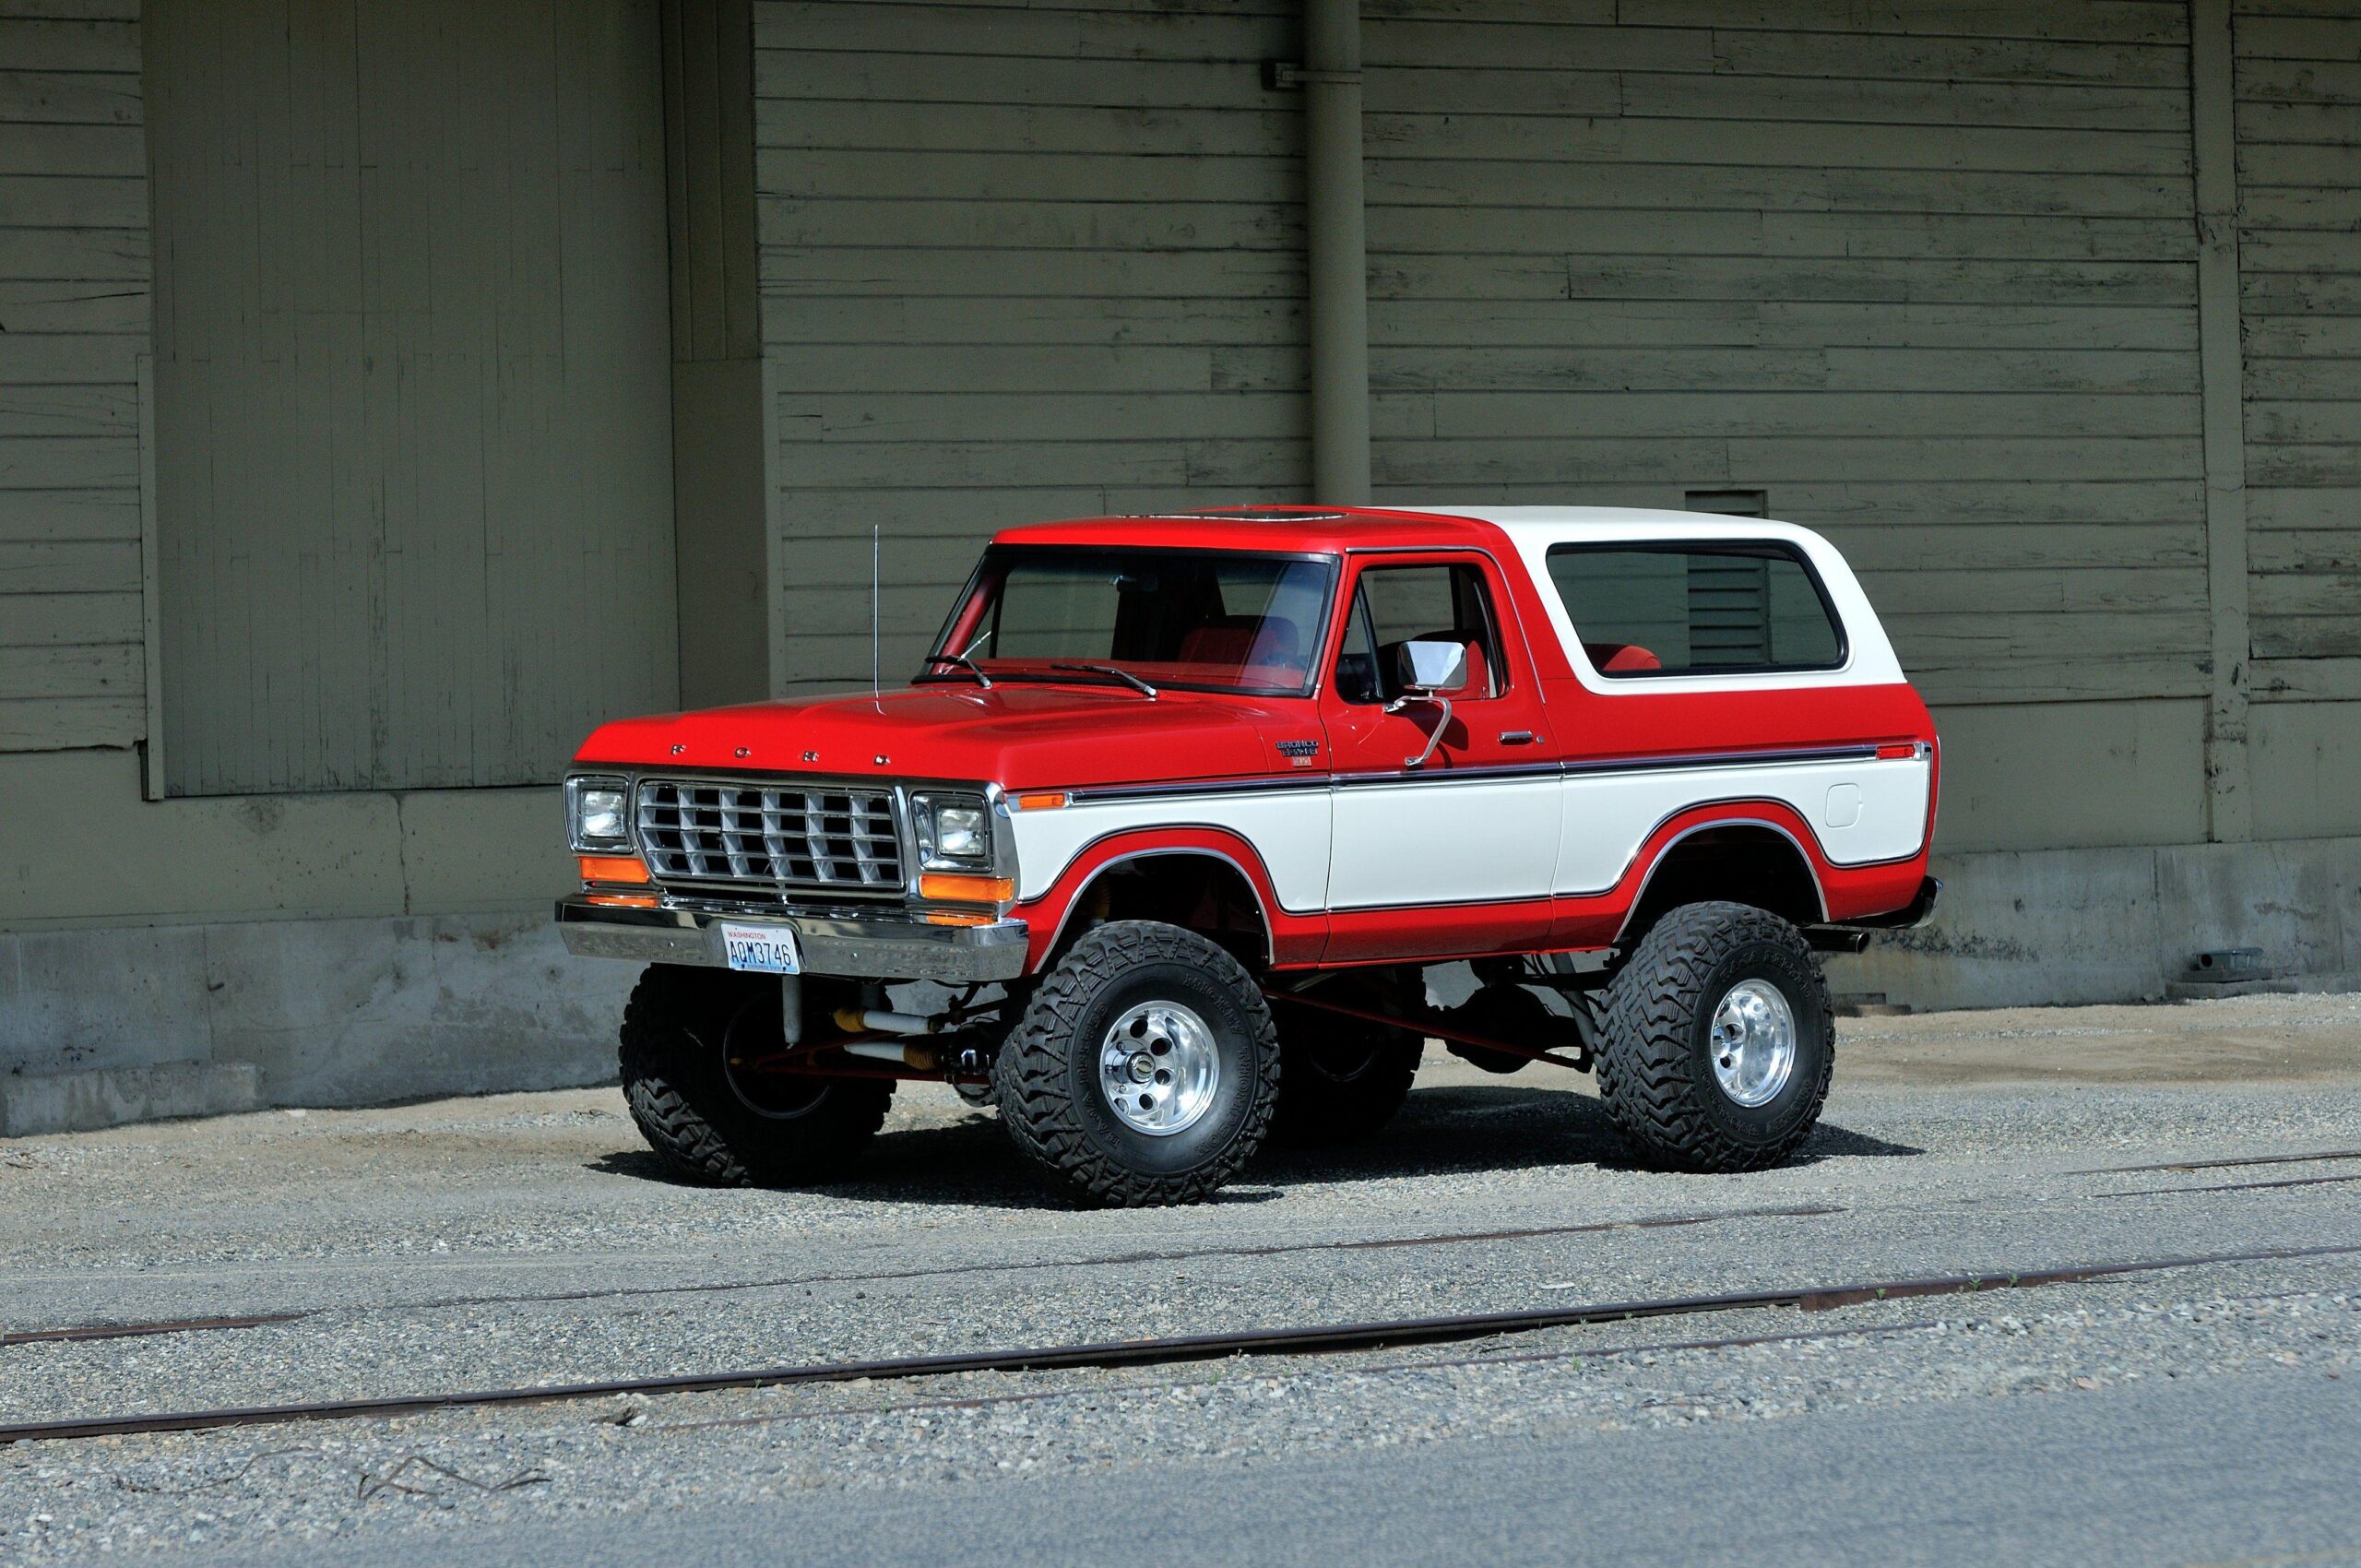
(864, 947)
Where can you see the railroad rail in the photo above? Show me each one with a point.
(1321, 1339)
(88, 1331)
(100, 1331)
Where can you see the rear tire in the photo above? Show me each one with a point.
(1343, 1079)
(1719, 1040)
(727, 1128)
(1144, 1070)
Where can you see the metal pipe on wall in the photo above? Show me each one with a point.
(1338, 247)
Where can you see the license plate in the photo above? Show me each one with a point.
(765, 949)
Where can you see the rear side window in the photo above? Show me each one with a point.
(1695, 609)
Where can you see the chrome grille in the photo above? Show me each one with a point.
(770, 836)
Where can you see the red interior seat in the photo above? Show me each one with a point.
(1225, 644)
(1616, 659)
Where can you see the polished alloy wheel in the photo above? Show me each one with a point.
(1753, 1042)
(1158, 1068)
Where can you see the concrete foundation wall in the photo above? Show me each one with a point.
(101, 1024)
(105, 1025)
(2024, 929)
(191, 957)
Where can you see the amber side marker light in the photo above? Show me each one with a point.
(612, 868)
(954, 889)
(1042, 801)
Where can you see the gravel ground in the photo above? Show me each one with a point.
(529, 1240)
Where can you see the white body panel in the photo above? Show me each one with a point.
(1287, 827)
(1609, 816)
(1445, 842)
(1437, 841)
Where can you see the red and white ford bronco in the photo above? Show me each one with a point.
(1155, 852)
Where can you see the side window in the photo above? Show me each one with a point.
(1695, 609)
(1393, 605)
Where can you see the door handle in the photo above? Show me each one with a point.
(1516, 737)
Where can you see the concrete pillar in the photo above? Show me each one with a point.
(1338, 251)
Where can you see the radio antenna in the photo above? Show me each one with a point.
(876, 614)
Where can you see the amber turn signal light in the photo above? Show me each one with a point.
(612, 868)
(622, 901)
(955, 889)
(956, 917)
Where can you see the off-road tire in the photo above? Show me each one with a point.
(1654, 1070)
(1045, 1076)
(681, 1094)
(1342, 1078)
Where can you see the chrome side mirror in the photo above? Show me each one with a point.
(1424, 670)
(1430, 666)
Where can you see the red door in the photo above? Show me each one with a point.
(1443, 843)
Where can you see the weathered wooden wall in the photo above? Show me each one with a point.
(412, 388)
(2298, 113)
(74, 278)
(1925, 274)
(1017, 262)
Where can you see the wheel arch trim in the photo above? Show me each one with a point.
(1664, 851)
(1199, 843)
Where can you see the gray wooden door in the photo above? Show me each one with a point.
(413, 428)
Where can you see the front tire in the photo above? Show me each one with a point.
(1144, 1069)
(1719, 1040)
(720, 1124)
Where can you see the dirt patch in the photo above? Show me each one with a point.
(2243, 1039)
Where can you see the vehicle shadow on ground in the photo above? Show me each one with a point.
(1442, 1131)
(1463, 1129)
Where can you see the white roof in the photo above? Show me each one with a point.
(1603, 523)
(1870, 658)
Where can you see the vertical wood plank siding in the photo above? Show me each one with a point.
(1017, 262)
(2300, 166)
(1924, 274)
(412, 378)
(73, 295)
(2298, 115)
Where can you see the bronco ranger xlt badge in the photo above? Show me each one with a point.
(1181, 809)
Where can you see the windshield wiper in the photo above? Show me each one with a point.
(965, 663)
(1123, 675)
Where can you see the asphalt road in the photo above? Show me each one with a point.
(2201, 1413)
(2167, 1473)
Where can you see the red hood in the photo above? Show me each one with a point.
(1020, 736)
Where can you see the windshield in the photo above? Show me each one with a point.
(1186, 618)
